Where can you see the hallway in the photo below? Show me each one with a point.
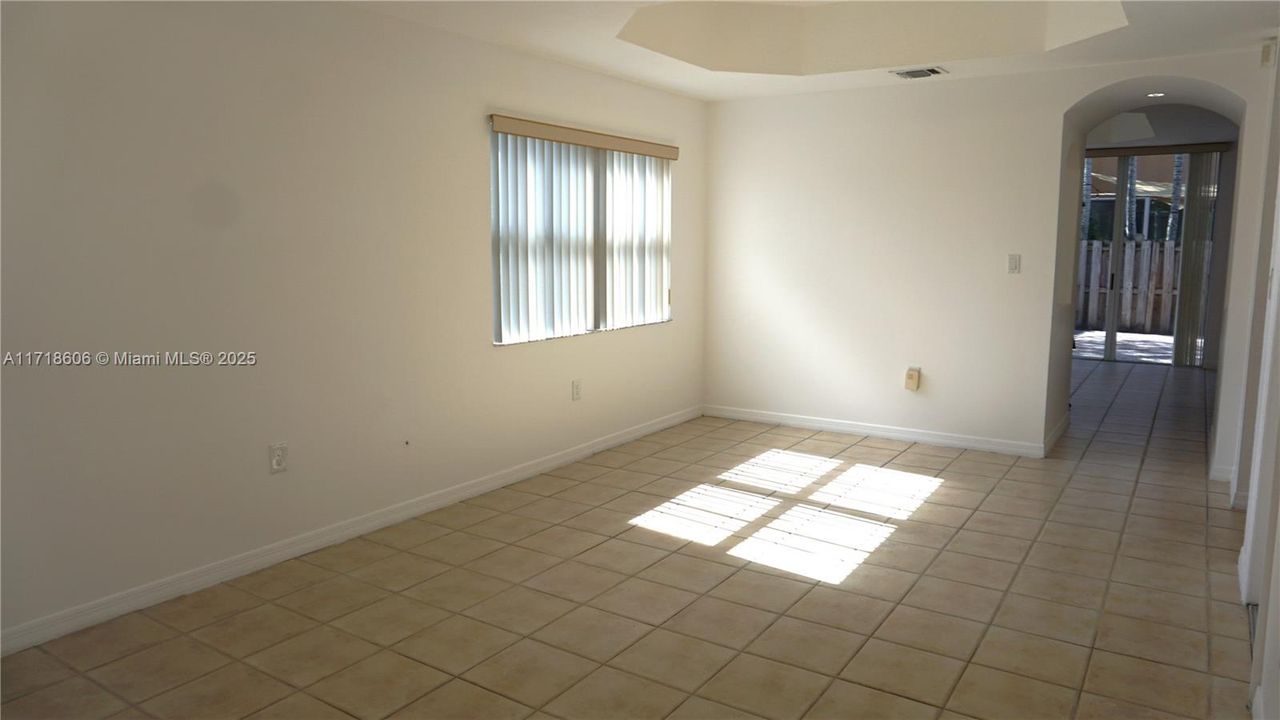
(1140, 431)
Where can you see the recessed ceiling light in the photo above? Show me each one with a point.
(1155, 94)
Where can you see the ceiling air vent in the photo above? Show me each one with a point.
(918, 73)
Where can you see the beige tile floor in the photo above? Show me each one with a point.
(725, 569)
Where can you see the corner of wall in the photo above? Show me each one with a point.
(1056, 431)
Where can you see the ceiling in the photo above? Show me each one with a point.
(815, 38)
(1171, 124)
(726, 50)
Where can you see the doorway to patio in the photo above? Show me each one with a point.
(1144, 286)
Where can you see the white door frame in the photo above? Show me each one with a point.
(1120, 210)
(1259, 583)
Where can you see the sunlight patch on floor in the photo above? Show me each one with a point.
(781, 470)
(878, 491)
(822, 543)
(832, 527)
(707, 514)
(815, 543)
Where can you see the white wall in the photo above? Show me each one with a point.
(1242, 494)
(1062, 316)
(858, 232)
(310, 182)
(1259, 583)
(1242, 322)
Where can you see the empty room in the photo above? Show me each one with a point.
(639, 360)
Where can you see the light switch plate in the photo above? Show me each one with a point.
(1015, 263)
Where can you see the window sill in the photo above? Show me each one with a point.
(517, 343)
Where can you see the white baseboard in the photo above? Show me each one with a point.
(1013, 447)
(62, 622)
(1222, 472)
(1242, 570)
(1056, 433)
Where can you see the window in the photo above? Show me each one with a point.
(581, 236)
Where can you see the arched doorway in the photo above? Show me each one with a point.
(1234, 337)
(1155, 226)
(1087, 114)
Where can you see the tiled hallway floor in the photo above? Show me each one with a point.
(726, 569)
(1130, 347)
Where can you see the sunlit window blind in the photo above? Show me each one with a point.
(637, 210)
(581, 238)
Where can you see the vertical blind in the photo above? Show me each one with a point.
(581, 238)
(1197, 249)
(637, 240)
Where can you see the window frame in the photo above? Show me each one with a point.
(599, 240)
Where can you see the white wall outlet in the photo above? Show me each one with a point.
(1015, 263)
(913, 379)
(575, 390)
(278, 457)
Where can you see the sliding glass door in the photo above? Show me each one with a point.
(1146, 238)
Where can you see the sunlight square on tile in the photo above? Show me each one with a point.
(707, 514)
(878, 491)
(833, 527)
(816, 543)
(781, 471)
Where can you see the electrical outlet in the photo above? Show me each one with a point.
(575, 390)
(913, 379)
(278, 457)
